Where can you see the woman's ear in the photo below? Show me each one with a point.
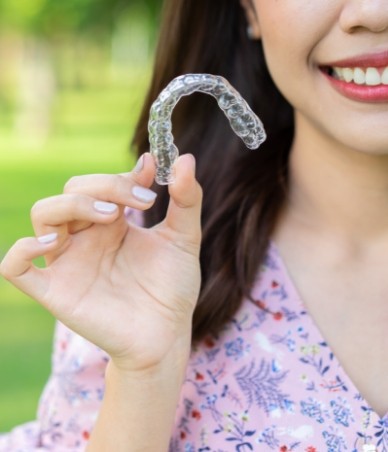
(253, 29)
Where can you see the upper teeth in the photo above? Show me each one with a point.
(370, 76)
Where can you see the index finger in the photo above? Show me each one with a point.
(126, 189)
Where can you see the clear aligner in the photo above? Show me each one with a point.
(241, 118)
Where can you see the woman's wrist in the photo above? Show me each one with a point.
(139, 405)
(175, 358)
(173, 366)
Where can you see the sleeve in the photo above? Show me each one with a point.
(71, 400)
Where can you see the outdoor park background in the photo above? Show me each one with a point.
(72, 78)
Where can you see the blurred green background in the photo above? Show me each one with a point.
(73, 75)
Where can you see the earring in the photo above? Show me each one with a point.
(250, 33)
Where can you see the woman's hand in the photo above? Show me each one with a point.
(129, 290)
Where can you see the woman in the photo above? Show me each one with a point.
(237, 351)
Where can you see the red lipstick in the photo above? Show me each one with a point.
(379, 59)
(361, 93)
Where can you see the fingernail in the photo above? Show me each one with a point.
(143, 194)
(105, 207)
(139, 165)
(48, 238)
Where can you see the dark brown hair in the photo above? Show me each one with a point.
(243, 189)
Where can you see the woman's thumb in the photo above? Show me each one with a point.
(184, 210)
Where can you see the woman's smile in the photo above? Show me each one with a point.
(329, 59)
(362, 78)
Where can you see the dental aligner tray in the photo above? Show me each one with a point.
(242, 119)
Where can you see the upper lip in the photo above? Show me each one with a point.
(378, 59)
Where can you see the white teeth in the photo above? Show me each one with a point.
(347, 74)
(370, 76)
(384, 76)
(359, 76)
(338, 72)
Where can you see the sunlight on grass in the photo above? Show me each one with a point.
(91, 133)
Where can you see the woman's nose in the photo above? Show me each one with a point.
(371, 15)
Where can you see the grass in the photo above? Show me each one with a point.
(91, 133)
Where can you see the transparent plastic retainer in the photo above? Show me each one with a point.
(243, 121)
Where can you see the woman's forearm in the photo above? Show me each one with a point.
(138, 409)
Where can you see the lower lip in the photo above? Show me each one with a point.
(362, 93)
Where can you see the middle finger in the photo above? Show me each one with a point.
(56, 213)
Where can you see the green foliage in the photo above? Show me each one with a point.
(56, 17)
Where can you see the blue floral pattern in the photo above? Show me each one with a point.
(279, 386)
(268, 382)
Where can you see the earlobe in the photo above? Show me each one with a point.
(253, 28)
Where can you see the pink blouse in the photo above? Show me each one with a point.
(269, 382)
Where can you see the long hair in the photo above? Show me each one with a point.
(243, 189)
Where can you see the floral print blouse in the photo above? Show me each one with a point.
(269, 382)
